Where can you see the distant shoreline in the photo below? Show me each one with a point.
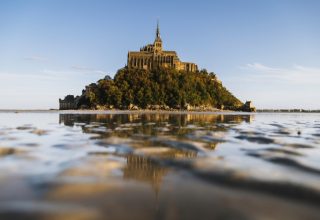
(289, 110)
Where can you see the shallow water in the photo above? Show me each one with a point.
(159, 166)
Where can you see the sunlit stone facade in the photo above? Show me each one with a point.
(152, 56)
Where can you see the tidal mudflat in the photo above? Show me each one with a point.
(59, 165)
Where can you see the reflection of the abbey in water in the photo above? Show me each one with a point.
(145, 170)
(142, 167)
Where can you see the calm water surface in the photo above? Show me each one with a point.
(159, 166)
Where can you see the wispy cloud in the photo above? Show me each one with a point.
(44, 75)
(85, 69)
(51, 75)
(296, 74)
(81, 68)
(36, 58)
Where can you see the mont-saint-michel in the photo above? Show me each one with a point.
(158, 125)
(156, 79)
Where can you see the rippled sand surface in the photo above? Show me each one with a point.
(159, 166)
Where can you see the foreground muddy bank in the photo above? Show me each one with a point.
(159, 166)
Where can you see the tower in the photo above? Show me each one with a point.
(158, 41)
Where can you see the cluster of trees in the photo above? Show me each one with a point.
(166, 87)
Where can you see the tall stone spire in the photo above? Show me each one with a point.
(158, 30)
(158, 38)
(157, 42)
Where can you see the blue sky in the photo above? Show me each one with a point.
(267, 51)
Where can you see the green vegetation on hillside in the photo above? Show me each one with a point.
(161, 87)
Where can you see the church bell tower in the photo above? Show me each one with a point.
(158, 41)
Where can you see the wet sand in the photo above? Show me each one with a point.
(138, 165)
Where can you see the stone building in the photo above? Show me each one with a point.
(248, 107)
(152, 56)
(69, 102)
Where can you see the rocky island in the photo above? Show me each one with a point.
(155, 79)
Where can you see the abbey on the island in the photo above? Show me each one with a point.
(152, 56)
